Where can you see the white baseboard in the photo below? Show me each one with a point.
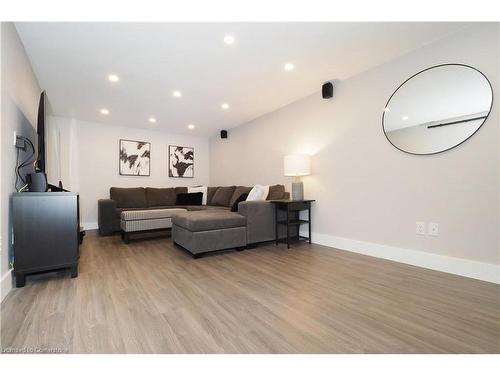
(90, 225)
(458, 266)
(6, 284)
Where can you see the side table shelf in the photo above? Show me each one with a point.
(292, 219)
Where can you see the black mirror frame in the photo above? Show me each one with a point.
(424, 70)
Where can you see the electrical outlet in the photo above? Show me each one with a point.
(433, 229)
(420, 227)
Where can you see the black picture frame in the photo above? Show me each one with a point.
(420, 72)
(170, 172)
(120, 158)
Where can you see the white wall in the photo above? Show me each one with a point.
(19, 99)
(369, 194)
(1, 196)
(89, 160)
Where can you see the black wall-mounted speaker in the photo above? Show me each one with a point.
(327, 90)
(223, 134)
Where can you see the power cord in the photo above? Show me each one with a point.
(21, 144)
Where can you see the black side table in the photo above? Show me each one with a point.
(292, 218)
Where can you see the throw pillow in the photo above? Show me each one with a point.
(160, 197)
(258, 193)
(223, 195)
(237, 193)
(199, 189)
(180, 189)
(276, 192)
(241, 198)
(189, 199)
(210, 194)
(129, 197)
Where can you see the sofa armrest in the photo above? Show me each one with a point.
(260, 220)
(108, 216)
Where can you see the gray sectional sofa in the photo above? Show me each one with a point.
(256, 217)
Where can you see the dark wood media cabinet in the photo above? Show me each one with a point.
(46, 233)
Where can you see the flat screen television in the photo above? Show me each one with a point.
(41, 160)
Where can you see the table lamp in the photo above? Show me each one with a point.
(296, 166)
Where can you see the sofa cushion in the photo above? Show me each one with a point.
(181, 189)
(205, 208)
(129, 197)
(238, 192)
(187, 207)
(189, 199)
(160, 197)
(222, 196)
(210, 193)
(276, 192)
(150, 214)
(243, 197)
(197, 221)
(199, 189)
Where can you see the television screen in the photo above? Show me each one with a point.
(40, 165)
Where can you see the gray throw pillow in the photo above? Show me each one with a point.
(181, 190)
(243, 197)
(129, 197)
(276, 192)
(238, 192)
(210, 194)
(222, 196)
(160, 197)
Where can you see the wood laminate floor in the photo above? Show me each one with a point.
(151, 297)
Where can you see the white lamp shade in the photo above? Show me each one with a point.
(297, 165)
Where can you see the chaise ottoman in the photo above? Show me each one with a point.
(206, 231)
(140, 221)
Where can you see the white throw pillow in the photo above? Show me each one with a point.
(199, 189)
(258, 193)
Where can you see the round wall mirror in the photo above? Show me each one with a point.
(437, 109)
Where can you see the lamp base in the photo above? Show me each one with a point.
(297, 191)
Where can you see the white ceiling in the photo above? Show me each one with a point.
(72, 62)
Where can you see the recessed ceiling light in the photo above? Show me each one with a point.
(152, 120)
(224, 106)
(191, 126)
(288, 67)
(177, 94)
(113, 78)
(104, 111)
(404, 118)
(229, 39)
